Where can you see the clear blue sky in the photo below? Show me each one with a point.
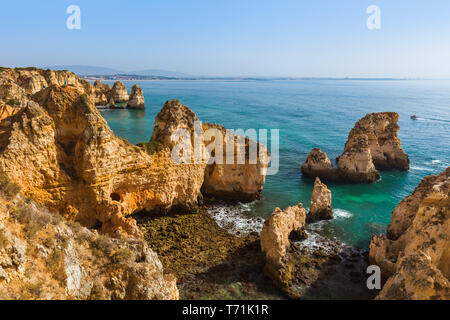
(233, 37)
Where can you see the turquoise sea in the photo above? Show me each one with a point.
(315, 113)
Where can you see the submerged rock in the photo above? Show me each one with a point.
(414, 257)
(320, 203)
(136, 98)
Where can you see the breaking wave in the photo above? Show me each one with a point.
(235, 218)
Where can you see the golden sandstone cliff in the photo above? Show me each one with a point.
(414, 256)
(42, 256)
(57, 148)
(372, 145)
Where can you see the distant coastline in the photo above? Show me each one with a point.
(132, 77)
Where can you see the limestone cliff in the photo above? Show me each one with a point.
(21, 83)
(320, 203)
(241, 179)
(414, 257)
(44, 257)
(136, 98)
(63, 154)
(381, 130)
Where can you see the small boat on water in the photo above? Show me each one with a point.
(414, 117)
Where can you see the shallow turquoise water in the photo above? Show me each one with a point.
(315, 113)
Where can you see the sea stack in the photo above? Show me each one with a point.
(317, 164)
(381, 130)
(119, 93)
(275, 241)
(227, 181)
(239, 180)
(414, 256)
(355, 164)
(136, 98)
(320, 203)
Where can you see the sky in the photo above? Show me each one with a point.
(283, 38)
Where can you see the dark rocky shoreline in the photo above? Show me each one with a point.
(211, 263)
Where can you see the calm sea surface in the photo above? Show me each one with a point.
(315, 113)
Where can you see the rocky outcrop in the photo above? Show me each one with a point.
(63, 154)
(21, 83)
(355, 164)
(44, 257)
(372, 144)
(119, 93)
(238, 180)
(385, 147)
(275, 241)
(136, 98)
(242, 179)
(414, 257)
(65, 157)
(320, 203)
(175, 116)
(317, 164)
(7, 111)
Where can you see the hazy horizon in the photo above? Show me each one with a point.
(320, 39)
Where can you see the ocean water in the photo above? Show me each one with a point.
(315, 113)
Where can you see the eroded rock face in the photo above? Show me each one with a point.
(136, 98)
(174, 116)
(44, 257)
(381, 130)
(317, 164)
(63, 154)
(275, 241)
(320, 203)
(242, 179)
(414, 257)
(355, 164)
(372, 144)
(21, 83)
(119, 93)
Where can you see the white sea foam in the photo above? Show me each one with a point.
(315, 241)
(342, 214)
(235, 219)
(420, 168)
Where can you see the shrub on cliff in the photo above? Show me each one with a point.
(7, 187)
(151, 147)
